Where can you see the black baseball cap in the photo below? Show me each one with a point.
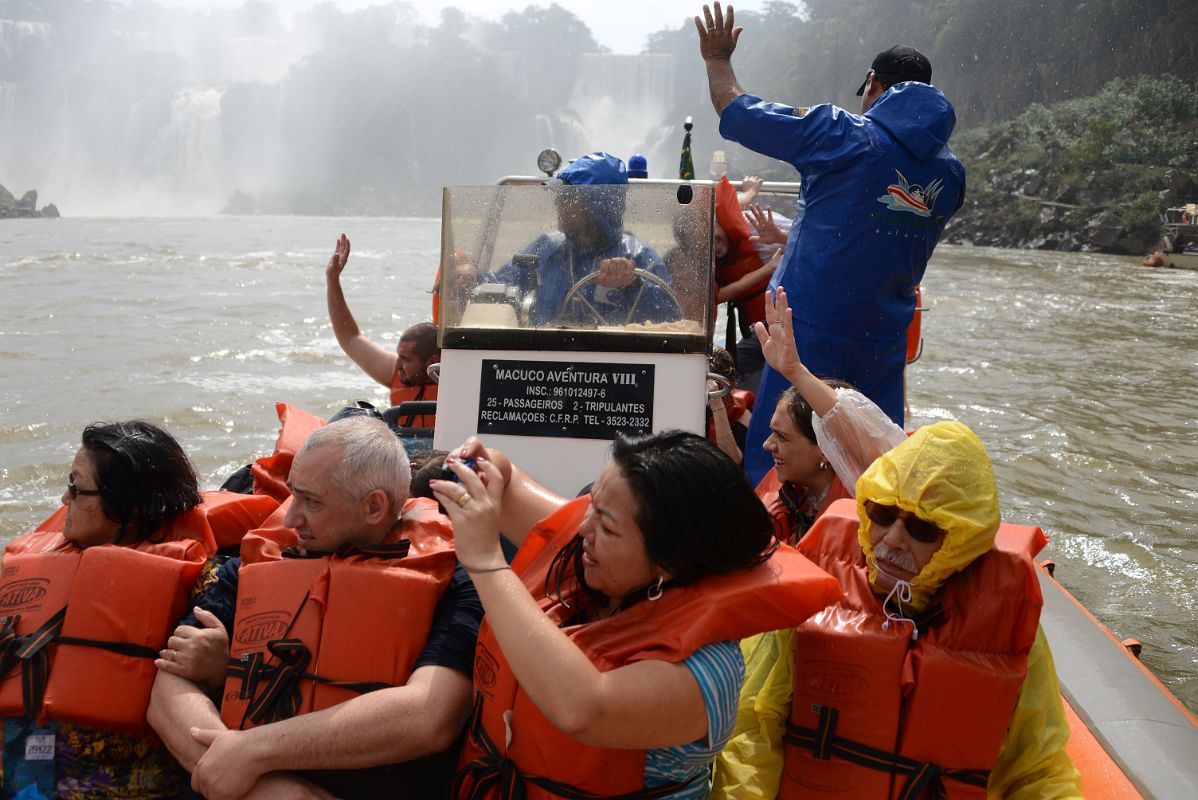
(901, 62)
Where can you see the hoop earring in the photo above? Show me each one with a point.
(655, 591)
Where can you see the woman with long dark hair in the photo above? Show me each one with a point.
(608, 662)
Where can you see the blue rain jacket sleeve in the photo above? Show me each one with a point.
(823, 136)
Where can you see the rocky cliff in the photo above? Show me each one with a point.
(26, 207)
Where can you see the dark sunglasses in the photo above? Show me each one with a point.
(74, 491)
(918, 529)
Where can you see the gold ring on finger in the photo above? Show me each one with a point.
(464, 499)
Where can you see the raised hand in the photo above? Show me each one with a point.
(767, 230)
(339, 258)
(717, 33)
(474, 503)
(777, 337)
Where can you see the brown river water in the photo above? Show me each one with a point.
(1078, 371)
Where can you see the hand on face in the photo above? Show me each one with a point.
(474, 504)
(717, 33)
(199, 654)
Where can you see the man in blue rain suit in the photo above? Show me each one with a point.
(591, 239)
(879, 188)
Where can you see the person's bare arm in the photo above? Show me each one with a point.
(281, 786)
(642, 705)
(750, 187)
(742, 285)
(717, 41)
(375, 360)
(724, 438)
(176, 706)
(389, 726)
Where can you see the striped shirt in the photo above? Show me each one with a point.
(719, 670)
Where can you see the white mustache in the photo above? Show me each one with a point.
(899, 559)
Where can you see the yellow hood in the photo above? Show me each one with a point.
(942, 474)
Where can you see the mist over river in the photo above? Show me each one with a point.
(1078, 371)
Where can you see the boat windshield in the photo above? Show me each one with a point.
(549, 260)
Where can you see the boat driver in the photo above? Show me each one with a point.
(591, 240)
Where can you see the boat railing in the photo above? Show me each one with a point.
(769, 187)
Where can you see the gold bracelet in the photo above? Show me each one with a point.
(471, 571)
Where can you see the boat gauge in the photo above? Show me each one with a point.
(548, 161)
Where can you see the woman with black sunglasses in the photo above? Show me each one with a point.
(89, 598)
(933, 673)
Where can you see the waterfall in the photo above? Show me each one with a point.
(185, 153)
(14, 33)
(620, 103)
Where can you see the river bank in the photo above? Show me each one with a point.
(1092, 174)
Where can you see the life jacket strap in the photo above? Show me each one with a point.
(476, 780)
(389, 550)
(273, 690)
(922, 776)
(29, 653)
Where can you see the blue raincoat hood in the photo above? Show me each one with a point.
(917, 115)
(594, 168)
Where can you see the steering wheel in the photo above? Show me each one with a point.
(574, 295)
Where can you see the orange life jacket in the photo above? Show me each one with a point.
(402, 393)
(783, 501)
(270, 472)
(510, 741)
(312, 632)
(80, 628)
(915, 329)
(742, 256)
(877, 714)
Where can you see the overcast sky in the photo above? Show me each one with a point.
(621, 25)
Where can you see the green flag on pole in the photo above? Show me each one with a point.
(686, 167)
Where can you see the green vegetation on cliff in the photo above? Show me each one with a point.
(1089, 173)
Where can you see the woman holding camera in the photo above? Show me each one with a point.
(608, 661)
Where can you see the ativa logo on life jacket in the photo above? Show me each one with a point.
(913, 198)
(830, 678)
(262, 627)
(485, 667)
(19, 594)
